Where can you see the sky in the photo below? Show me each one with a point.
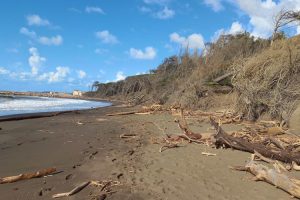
(62, 45)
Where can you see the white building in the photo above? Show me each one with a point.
(77, 93)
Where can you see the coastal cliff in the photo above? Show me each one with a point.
(225, 70)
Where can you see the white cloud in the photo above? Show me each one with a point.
(235, 29)
(106, 37)
(140, 73)
(216, 5)
(262, 13)
(165, 13)
(298, 30)
(120, 76)
(91, 9)
(27, 32)
(57, 76)
(3, 71)
(36, 20)
(56, 40)
(193, 41)
(35, 60)
(148, 54)
(81, 74)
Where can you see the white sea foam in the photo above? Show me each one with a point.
(20, 105)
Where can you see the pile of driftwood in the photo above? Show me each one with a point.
(266, 140)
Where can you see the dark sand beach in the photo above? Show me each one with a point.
(86, 145)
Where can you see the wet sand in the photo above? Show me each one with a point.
(86, 146)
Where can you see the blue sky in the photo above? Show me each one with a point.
(61, 45)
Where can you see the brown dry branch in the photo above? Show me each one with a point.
(190, 135)
(222, 139)
(27, 176)
(168, 146)
(283, 18)
(279, 180)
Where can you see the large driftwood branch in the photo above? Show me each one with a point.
(26, 176)
(225, 140)
(280, 180)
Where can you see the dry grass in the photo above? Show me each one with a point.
(185, 79)
(269, 82)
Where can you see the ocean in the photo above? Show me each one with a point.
(12, 105)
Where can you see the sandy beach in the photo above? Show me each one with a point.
(86, 146)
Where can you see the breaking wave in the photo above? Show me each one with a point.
(10, 105)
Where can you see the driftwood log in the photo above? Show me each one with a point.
(222, 139)
(38, 174)
(72, 192)
(279, 180)
(122, 113)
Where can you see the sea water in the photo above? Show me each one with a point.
(11, 105)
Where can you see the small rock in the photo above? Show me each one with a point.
(131, 152)
(77, 165)
(120, 175)
(102, 197)
(69, 176)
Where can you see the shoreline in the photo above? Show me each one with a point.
(33, 115)
(61, 97)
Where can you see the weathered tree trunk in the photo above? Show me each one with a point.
(263, 173)
(223, 139)
(20, 177)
